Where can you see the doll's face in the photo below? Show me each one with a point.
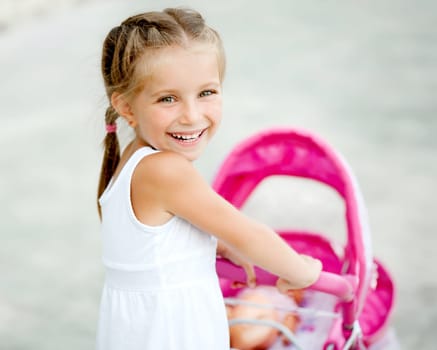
(248, 336)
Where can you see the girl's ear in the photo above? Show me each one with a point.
(123, 108)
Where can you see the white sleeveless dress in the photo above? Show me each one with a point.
(161, 289)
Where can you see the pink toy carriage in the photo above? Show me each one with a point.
(359, 289)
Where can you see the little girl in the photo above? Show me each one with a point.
(162, 224)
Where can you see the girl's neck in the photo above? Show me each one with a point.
(136, 144)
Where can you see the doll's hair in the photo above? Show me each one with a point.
(135, 41)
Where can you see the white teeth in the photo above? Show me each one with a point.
(186, 137)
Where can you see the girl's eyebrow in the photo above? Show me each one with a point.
(214, 84)
(163, 92)
(166, 91)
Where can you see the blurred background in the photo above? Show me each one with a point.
(361, 75)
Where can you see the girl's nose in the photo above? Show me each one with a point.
(190, 113)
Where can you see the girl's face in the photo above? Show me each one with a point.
(180, 106)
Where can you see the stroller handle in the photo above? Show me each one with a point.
(341, 286)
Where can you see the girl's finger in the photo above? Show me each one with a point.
(282, 285)
(250, 275)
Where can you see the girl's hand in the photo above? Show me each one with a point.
(315, 267)
(230, 254)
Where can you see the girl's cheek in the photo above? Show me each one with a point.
(217, 111)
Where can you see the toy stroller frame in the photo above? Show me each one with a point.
(364, 288)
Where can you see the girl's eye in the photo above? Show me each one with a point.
(207, 93)
(167, 99)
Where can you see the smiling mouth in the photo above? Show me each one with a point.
(187, 137)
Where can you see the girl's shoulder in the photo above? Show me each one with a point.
(164, 183)
(167, 176)
(164, 168)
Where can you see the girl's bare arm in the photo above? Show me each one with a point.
(179, 189)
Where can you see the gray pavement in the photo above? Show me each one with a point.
(363, 75)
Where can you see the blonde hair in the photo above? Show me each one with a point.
(130, 43)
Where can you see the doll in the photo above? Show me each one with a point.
(259, 337)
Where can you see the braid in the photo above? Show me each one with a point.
(111, 156)
(111, 115)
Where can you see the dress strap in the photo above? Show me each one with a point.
(125, 174)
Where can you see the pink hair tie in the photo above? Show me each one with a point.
(110, 128)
